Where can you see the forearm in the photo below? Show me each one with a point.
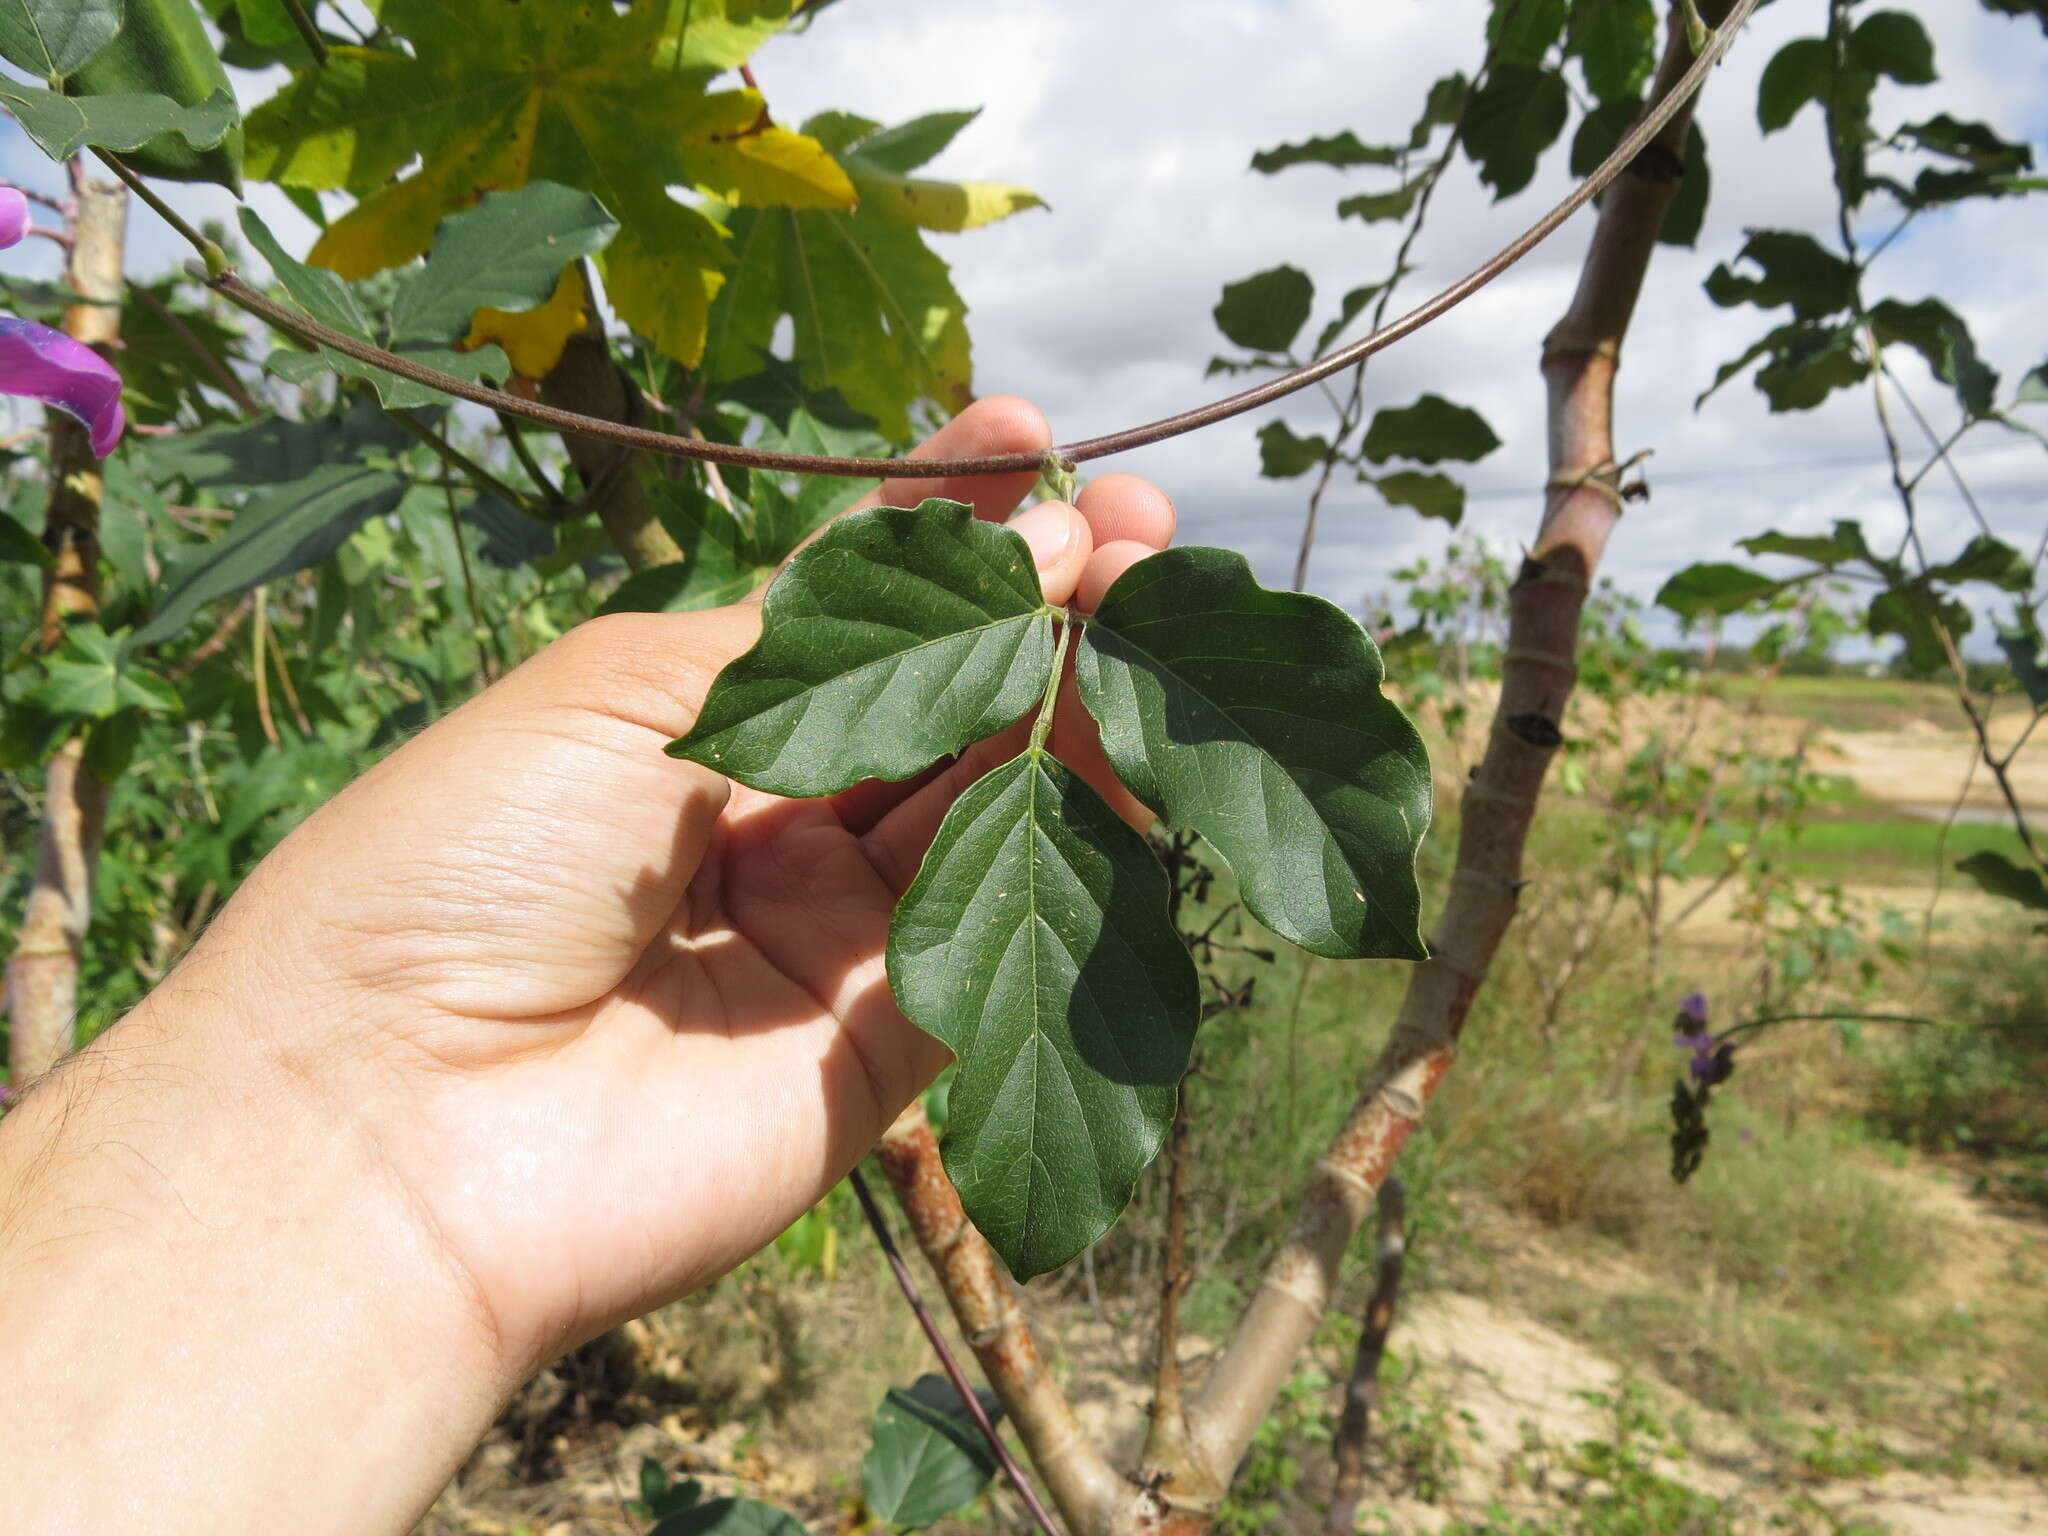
(216, 1311)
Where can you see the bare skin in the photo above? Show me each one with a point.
(530, 1030)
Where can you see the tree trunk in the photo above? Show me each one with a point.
(587, 379)
(1582, 503)
(42, 974)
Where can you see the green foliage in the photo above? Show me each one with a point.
(1431, 430)
(287, 528)
(1035, 940)
(1516, 115)
(53, 39)
(161, 51)
(1265, 312)
(928, 1456)
(506, 253)
(1035, 943)
(898, 638)
(63, 125)
(1255, 718)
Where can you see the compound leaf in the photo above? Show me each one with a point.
(1035, 942)
(900, 636)
(1256, 718)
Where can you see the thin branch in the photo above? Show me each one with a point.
(879, 1225)
(479, 631)
(1166, 1443)
(455, 458)
(303, 20)
(224, 281)
(1361, 1392)
(259, 632)
(549, 491)
(222, 374)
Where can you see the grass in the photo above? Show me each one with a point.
(1847, 703)
(1872, 849)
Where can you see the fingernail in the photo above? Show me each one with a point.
(1050, 528)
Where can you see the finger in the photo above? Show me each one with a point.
(1126, 507)
(1061, 545)
(1105, 565)
(998, 424)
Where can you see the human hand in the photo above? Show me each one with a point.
(530, 1030)
(609, 1020)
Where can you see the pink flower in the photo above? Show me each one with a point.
(13, 217)
(49, 366)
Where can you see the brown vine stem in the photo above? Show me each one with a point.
(1067, 456)
(879, 1225)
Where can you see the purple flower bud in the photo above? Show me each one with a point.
(49, 366)
(13, 217)
(1695, 1007)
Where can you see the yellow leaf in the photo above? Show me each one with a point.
(661, 273)
(396, 224)
(950, 206)
(534, 338)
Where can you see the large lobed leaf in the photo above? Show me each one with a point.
(1035, 942)
(1256, 718)
(900, 636)
(498, 96)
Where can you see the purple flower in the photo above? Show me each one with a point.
(1695, 1007)
(13, 217)
(49, 366)
(1704, 1066)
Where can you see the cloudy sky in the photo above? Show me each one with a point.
(1135, 122)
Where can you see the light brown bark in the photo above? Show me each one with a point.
(42, 973)
(1582, 503)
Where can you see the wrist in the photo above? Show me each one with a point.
(217, 1298)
